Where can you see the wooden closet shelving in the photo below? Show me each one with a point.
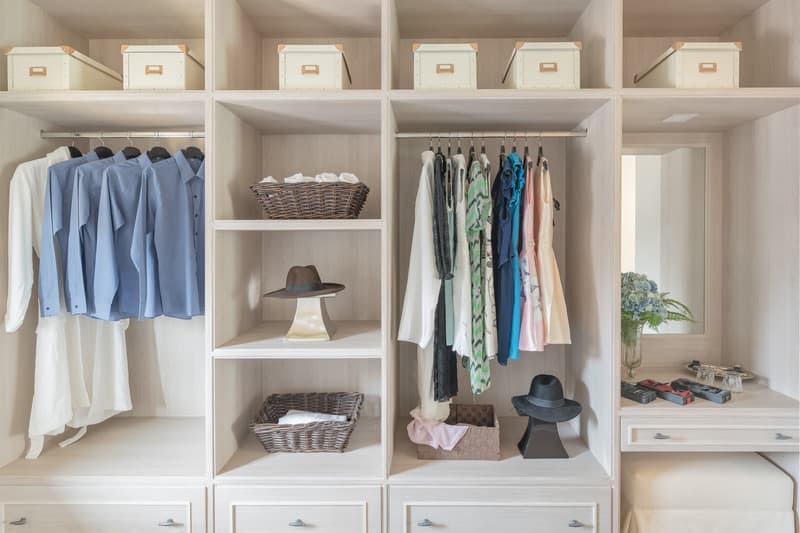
(186, 452)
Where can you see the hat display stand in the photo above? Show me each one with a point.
(311, 321)
(541, 441)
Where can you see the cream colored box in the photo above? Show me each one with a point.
(313, 67)
(40, 68)
(161, 67)
(446, 65)
(694, 66)
(544, 65)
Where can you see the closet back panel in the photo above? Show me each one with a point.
(516, 377)
(237, 48)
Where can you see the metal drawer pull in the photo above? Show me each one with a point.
(781, 436)
(37, 71)
(707, 67)
(309, 69)
(576, 523)
(21, 522)
(425, 523)
(548, 67)
(661, 436)
(169, 522)
(297, 523)
(445, 68)
(153, 69)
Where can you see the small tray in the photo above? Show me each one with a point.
(720, 370)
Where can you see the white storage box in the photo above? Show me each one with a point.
(694, 66)
(38, 68)
(313, 66)
(161, 67)
(545, 65)
(446, 66)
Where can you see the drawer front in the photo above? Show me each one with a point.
(548, 69)
(37, 72)
(96, 518)
(257, 509)
(517, 518)
(678, 435)
(166, 70)
(701, 69)
(312, 71)
(445, 70)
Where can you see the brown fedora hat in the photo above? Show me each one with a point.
(304, 282)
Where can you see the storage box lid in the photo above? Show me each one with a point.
(445, 47)
(62, 50)
(683, 45)
(541, 45)
(160, 49)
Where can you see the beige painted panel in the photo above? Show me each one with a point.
(237, 284)
(237, 48)
(238, 165)
(594, 30)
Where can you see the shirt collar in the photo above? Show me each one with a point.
(144, 160)
(58, 155)
(186, 170)
(119, 157)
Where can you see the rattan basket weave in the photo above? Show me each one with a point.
(311, 200)
(311, 437)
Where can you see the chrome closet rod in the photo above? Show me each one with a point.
(122, 134)
(491, 134)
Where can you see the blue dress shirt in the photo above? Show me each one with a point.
(169, 237)
(55, 229)
(83, 235)
(116, 279)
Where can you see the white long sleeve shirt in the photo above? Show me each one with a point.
(71, 386)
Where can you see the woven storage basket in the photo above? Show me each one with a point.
(311, 200)
(482, 440)
(311, 437)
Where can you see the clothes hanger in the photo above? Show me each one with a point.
(483, 146)
(449, 141)
(157, 153)
(458, 149)
(472, 146)
(439, 145)
(73, 151)
(431, 146)
(103, 151)
(514, 144)
(130, 151)
(193, 152)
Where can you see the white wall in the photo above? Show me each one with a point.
(648, 216)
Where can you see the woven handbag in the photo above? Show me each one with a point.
(311, 200)
(311, 437)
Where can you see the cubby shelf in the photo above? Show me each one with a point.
(353, 339)
(299, 225)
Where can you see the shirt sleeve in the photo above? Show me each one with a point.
(75, 267)
(142, 250)
(20, 251)
(106, 274)
(49, 297)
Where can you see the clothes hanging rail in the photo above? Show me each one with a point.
(122, 134)
(491, 134)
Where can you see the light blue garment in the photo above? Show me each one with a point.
(116, 279)
(168, 247)
(55, 233)
(83, 235)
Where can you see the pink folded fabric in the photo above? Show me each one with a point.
(435, 434)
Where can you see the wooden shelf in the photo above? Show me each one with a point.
(580, 469)
(122, 449)
(299, 225)
(362, 460)
(352, 340)
(757, 399)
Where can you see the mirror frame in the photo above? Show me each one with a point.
(671, 349)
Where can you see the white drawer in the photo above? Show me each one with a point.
(737, 434)
(32, 509)
(504, 509)
(292, 509)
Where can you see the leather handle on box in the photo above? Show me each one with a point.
(309, 69)
(445, 68)
(37, 71)
(548, 67)
(707, 67)
(153, 69)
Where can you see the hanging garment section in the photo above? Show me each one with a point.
(483, 280)
(118, 236)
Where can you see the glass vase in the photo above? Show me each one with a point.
(631, 347)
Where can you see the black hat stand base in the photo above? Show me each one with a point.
(541, 441)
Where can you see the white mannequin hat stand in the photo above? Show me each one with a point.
(311, 320)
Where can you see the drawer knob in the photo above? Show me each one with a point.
(425, 523)
(297, 523)
(781, 436)
(169, 522)
(661, 436)
(21, 522)
(576, 523)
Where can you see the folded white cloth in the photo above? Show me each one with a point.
(327, 177)
(347, 177)
(294, 416)
(298, 178)
(268, 179)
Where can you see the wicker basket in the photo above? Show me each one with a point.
(311, 200)
(311, 437)
(480, 442)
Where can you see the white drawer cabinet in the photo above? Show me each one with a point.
(292, 509)
(499, 509)
(65, 509)
(710, 434)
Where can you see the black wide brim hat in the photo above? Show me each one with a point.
(304, 282)
(546, 401)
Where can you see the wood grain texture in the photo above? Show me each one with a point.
(237, 48)
(691, 17)
(598, 54)
(344, 18)
(238, 394)
(761, 241)
(238, 166)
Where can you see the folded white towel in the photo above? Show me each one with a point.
(298, 178)
(347, 177)
(294, 416)
(327, 177)
(268, 179)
